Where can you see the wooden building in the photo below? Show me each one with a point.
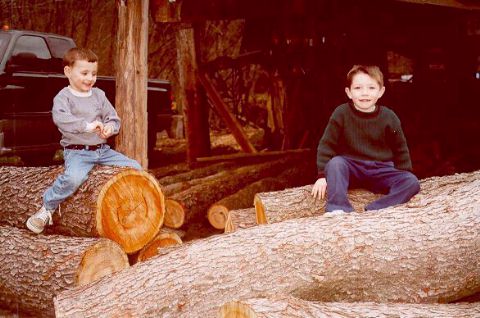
(429, 52)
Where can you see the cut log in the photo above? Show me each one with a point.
(34, 268)
(162, 240)
(259, 155)
(276, 307)
(240, 219)
(170, 170)
(173, 188)
(278, 206)
(272, 207)
(424, 254)
(218, 212)
(124, 205)
(174, 214)
(197, 199)
(195, 173)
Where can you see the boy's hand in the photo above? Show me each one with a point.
(107, 131)
(94, 126)
(319, 188)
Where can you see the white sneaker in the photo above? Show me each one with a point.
(37, 222)
(335, 212)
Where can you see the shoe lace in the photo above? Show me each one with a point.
(46, 216)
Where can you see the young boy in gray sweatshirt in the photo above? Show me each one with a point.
(86, 120)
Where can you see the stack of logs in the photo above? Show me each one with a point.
(117, 218)
(116, 212)
(280, 258)
(408, 260)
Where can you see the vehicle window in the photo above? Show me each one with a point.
(59, 46)
(32, 44)
(4, 39)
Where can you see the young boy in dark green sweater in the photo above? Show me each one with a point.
(364, 146)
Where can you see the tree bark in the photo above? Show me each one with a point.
(124, 205)
(272, 207)
(277, 307)
(194, 173)
(196, 200)
(34, 268)
(170, 170)
(131, 79)
(423, 254)
(240, 219)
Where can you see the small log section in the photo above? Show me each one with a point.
(276, 307)
(34, 268)
(218, 212)
(196, 200)
(174, 214)
(432, 249)
(131, 79)
(272, 207)
(242, 199)
(124, 205)
(240, 219)
(164, 239)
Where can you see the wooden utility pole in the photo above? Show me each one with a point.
(131, 79)
(195, 111)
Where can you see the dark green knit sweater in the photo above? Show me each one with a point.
(375, 136)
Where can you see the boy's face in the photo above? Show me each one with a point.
(364, 92)
(82, 75)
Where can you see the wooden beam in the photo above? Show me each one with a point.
(131, 79)
(467, 5)
(223, 111)
(268, 155)
(195, 112)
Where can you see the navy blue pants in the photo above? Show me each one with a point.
(343, 173)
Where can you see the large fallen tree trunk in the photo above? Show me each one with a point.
(428, 253)
(291, 307)
(196, 200)
(278, 206)
(124, 205)
(34, 268)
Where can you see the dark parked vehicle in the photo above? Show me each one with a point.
(31, 74)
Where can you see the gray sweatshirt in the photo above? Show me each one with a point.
(72, 113)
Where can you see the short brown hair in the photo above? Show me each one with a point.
(371, 70)
(79, 54)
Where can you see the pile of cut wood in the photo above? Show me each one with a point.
(283, 258)
(118, 217)
(115, 212)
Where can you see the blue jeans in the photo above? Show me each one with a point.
(78, 164)
(343, 173)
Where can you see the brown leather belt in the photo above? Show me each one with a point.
(85, 147)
